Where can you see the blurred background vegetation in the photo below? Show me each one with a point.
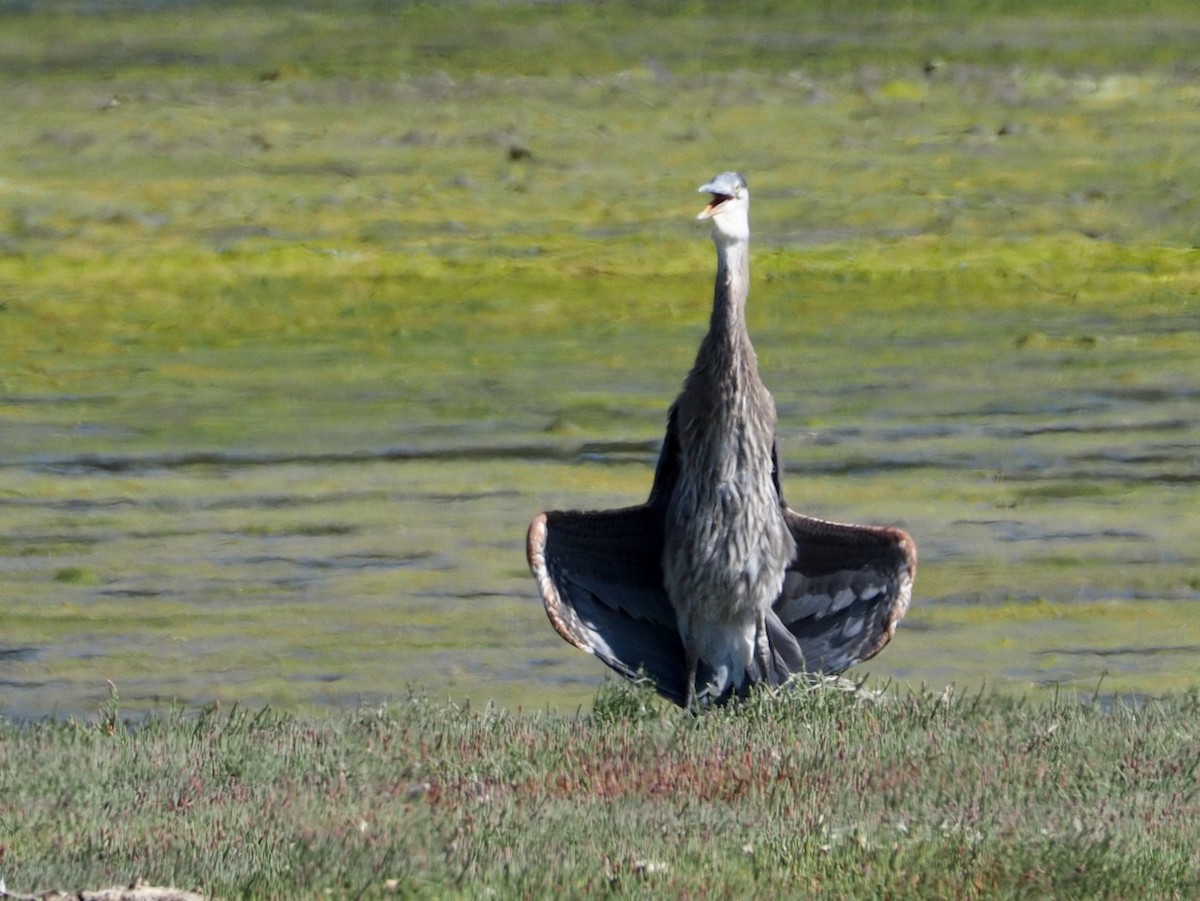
(307, 308)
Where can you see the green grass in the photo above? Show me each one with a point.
(821, 794)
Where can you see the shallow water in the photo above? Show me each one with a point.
(1057, 537)
(297, 337)
(307, 525)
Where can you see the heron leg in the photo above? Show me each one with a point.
(762, 649)
(693, 664)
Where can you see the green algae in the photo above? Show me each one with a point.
(299, 330)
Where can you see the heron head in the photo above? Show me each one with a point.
(729, 208)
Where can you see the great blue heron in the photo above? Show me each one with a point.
(714, 584)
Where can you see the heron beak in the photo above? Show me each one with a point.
(714, 206)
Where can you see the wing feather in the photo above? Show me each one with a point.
(845, 590)
(600, 577)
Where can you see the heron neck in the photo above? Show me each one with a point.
(728, 324)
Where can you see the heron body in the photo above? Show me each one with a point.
(715, 584)
(726, 543)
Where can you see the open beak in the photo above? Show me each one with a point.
(714, 206)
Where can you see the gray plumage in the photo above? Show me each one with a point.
(726, 543)
(714, 584)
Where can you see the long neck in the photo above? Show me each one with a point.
(727, 337)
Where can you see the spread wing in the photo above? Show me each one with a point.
(845, 590)
(601, 581)
(600, 577)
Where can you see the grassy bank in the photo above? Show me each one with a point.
(822, 794)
